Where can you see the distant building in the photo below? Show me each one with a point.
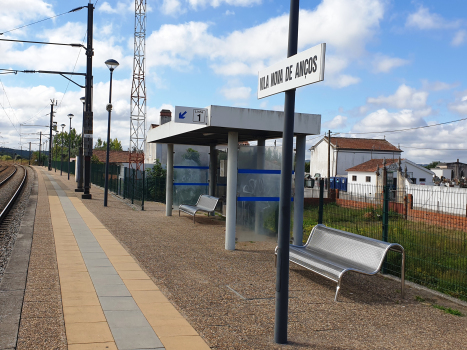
(348, 152)
(454, 170)
(115, 157)
(366, 173)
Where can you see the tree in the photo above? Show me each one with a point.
(307, 167)
(115, 145)
(193, 155)
(432, 165)
(157, 170)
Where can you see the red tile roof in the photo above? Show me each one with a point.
(372, 165)
(362, 144)
(114, 156)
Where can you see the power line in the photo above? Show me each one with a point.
(45, 19)
(407, 129)
(437, 149)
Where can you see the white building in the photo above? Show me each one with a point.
(348, 152)
(365, 173)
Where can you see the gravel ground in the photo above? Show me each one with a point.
(228, 297)
(42, 325)
(10, 230)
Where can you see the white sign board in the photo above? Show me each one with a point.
(304, 68)
(191, 115)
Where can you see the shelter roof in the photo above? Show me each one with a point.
(250, 124)
(351, 143)
(114, 156)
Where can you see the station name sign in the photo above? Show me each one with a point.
(304, 68)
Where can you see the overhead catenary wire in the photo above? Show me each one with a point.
(42, 20)
(402, 130)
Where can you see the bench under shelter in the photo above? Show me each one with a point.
(219, 125)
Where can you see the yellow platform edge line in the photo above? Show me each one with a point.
(170, 326)
(85, 323)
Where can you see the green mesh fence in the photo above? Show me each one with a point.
(428, 221)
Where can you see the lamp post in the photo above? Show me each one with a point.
(69, 145)
(54, 127)
(61, 151)
(80, 188)
(111, 64)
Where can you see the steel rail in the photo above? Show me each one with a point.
(12, 200)
(9, 176)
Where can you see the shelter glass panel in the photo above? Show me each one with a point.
(191, 169)
(258, 193)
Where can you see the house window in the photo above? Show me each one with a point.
(414, 180)
(422, 179)
(354, 177)
(368, 179)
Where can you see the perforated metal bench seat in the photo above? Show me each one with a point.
(331, 253)
(205, 203)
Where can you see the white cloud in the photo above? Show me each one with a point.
(338, 122)
(62, 58)
(459, 38)
(236, 93)
(172, 7)
(216, 3)
(346, 28)
(122, 7)
(405, 97)
(229, 13)
(460, 105)
(424, 19)
(384, 64)
(436, 139)
(437, 85)
(14, 13)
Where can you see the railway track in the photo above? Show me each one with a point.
(10, 189)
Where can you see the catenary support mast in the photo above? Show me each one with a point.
(138, 91)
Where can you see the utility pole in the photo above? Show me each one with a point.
(328, 183)
(29, 153)
(88, 115)
(52, 103)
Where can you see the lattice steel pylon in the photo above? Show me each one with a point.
(138, 90)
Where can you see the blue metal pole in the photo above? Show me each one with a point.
(282, 275)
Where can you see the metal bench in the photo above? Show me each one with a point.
(205, 203)
(331, 253)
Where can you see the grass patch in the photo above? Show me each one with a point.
(419, 298)
(435, 256)
(448, 310)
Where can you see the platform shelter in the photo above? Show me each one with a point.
(218, 125)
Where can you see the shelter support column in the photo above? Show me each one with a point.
(231, 199)
(299, 196)
(259, 165)
(169, 180)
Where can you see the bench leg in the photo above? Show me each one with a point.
(337, 290)
(179, 213)
(194, 217)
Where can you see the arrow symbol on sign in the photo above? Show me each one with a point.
(182, 116)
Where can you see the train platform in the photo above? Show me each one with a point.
(122, 278)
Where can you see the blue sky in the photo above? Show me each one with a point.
(389, 65)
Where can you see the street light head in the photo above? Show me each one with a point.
(63, 126)
(82, 99)
(111, 64)
(70, 116)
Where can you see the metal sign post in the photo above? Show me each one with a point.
(282, 274)
(297, 70)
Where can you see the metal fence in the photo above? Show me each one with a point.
(435, 238)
